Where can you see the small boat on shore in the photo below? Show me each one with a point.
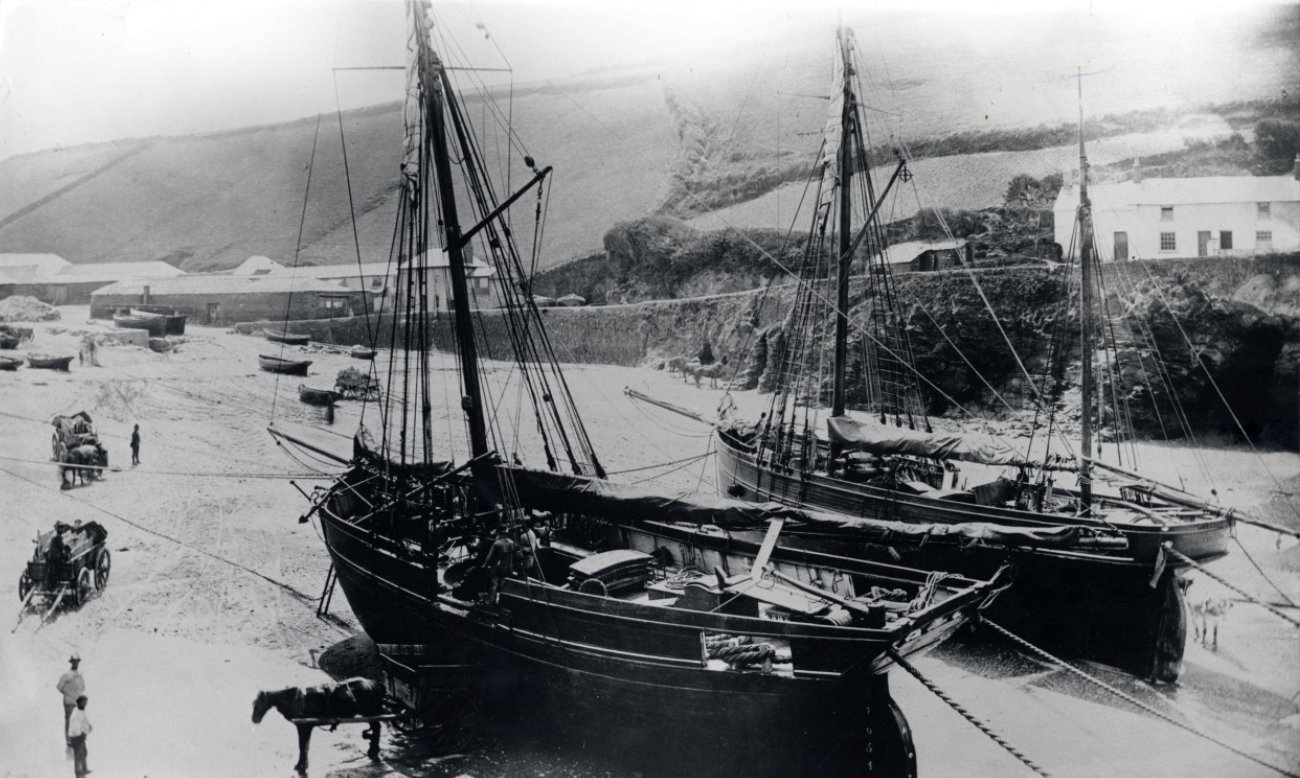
(8, 341)
(173, 321)
(156, 326)
(286, 337)
(280, 365)
(47, 362)
(10, 363)
(313, 396)
(362, 352)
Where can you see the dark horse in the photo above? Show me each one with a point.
(330, 703)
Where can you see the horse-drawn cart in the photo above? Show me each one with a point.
(75, 445)
(354, 384)
(70, 565)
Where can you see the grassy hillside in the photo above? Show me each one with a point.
(720, 134)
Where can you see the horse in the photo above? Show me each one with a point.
(678, 365)
(710, 372)
(86, 462)
(334, 702)
(1206, 615)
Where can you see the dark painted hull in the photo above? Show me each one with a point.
(7, 363)
(49, 363)
(284, 366)
(312, 396)
(1120, 607)
(361, 352)
(154, 325)
(616, 671)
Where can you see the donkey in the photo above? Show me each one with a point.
(304, 707)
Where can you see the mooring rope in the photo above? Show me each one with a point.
(980, 725)
(1266, 606)
(1035, 650)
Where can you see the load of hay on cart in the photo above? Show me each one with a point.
(70, 565)
(354, 384)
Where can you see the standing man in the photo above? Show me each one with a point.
(78, 728)
(71, 685)
(135, 446)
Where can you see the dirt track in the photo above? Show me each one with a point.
(211, 593)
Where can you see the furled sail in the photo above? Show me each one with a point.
(417, 30)
(855, 435)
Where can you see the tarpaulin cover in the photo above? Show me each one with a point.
(636, 503)
(883, 439)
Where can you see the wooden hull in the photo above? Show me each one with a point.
(289, 339)
(361, 352)
(312, 396)
(154, 325)
(49, 363)
(1122, 607)
(623, 672)
(284, 366)
(7, 363)
(8, 341)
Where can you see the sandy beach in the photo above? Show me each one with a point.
(214, 585)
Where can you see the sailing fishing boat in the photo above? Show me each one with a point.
(1111, 593)
(626, 615)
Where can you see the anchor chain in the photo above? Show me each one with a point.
(1128, 697)
(980, 725)
(1266, 606)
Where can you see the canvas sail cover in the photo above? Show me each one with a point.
(832, 137)
(633, 504)
(855, 435)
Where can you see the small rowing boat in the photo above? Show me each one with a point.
(286, 337)
(46, 362)
(313, 396)
(362, 352)
(281, 365)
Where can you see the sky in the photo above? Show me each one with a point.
(81, 71)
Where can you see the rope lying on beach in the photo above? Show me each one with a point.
(1266, 606)
(187, 473)
(334, 621)
(1033, 649)
(951, 703)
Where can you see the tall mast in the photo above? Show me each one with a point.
(845, 157)
(1085, 318)
(437, 90)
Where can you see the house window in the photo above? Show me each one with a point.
(1167, 242)
(1166, 213)
(376, 282)
(1225, 239)
(334, 303)
(1264, 240)
(1263, 210)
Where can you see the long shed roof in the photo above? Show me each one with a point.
(203, 283)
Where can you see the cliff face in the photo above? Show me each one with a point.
(1204, 327)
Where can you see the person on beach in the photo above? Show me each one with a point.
(78, 728)
(499, 563)
(71, 685)
(135, 446)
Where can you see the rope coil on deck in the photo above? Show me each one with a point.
(980, 725)
(1033, 649)
(1266, 606)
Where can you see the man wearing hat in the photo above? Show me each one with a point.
(71, 685)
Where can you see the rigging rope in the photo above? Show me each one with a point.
(1033, 649)
(970, 717)
(1168, 549)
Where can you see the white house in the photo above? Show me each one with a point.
(1226, 216)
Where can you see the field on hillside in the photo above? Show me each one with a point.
(620, 145)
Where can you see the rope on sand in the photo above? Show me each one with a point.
(1168, 549)
(980, 725)
(1035, 650)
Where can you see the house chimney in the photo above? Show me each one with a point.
(146, 295)
(1135, 175)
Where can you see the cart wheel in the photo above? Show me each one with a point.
(103, 566)
(24, 586)
(85, 586)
